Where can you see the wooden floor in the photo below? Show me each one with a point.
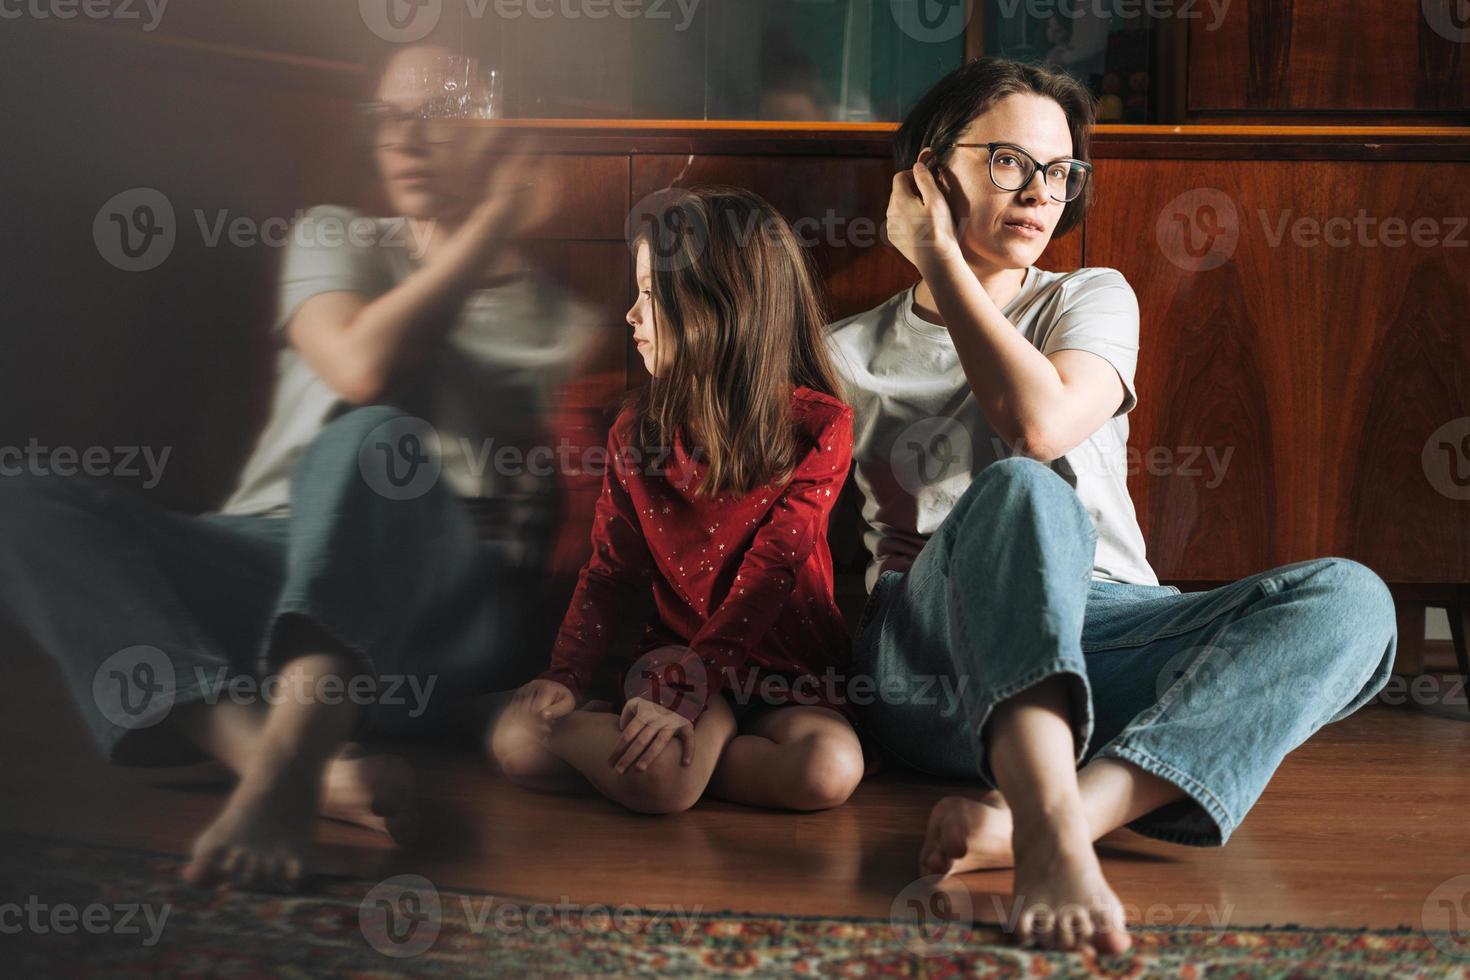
(1357, 829)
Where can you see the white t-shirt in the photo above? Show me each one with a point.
(920, 437)
(491, 383)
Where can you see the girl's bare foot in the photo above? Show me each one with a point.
(259, 841)
(968, 835)
(1063, 900)
(372, 791)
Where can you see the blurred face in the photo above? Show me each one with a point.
(430, 169)
(1007, 229)
(643, 318)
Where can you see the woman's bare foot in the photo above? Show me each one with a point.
(968, 835)
(260, 839)
(1064, 902)
(372, 791)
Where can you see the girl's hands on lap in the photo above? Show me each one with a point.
(547, 700)
(648, 728)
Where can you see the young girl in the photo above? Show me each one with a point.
(721, 476)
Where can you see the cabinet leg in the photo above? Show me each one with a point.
(1409, 657)
(1459, 614)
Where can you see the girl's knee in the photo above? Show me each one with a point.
(666, 786)
(516, 749)
(828, 770)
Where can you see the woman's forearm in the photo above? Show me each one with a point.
(361, 350)
(1012, 381)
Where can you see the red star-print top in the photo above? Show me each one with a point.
(742, 585)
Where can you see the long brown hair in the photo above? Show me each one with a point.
(736, 297)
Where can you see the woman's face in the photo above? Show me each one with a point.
(644, 315)
(1007, 229)
(429, 171)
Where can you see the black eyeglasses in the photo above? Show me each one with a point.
(1011, 168)
(389, 124)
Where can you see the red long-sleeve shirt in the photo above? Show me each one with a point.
(744, 582)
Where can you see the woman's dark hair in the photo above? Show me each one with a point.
(945, 111)
(737, 300)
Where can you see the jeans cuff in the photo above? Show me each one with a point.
(1080, 714)
(1206, 824)
(354, 649)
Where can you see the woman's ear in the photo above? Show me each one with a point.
(930, 159)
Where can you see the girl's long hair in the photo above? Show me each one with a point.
(736, 298)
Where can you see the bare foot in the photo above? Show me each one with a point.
(372, 791)
(259, 841)
(1063, 899)
(967, 835)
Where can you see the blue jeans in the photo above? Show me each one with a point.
(1208, 690)
(405, 587)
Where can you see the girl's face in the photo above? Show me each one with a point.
(1007, 229)
(643, 317)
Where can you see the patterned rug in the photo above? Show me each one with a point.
(90, 911)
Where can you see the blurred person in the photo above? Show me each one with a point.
(378, 560)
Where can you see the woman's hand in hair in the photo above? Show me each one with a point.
(920, 224)
(648, 728)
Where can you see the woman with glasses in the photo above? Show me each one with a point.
(990, 421)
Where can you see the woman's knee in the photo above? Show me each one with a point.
(1350, 592)
(828, 769)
